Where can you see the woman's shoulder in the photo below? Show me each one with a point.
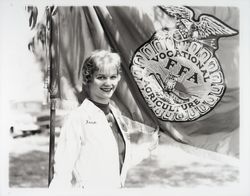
(77, 114)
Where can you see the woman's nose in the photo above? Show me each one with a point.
(108, 81)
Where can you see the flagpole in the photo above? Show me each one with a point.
(52, 87)
(52, 138)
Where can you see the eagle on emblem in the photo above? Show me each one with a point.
(206, 30)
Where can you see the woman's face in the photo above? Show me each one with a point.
(103, 84)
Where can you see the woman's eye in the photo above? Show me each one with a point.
(100, 77)
(105, 77)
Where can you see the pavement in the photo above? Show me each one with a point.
(171, 164)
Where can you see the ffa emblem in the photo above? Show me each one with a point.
(177, 71)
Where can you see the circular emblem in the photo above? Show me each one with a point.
(177, 71)
(180, 82)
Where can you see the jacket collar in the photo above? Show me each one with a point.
(90, 106)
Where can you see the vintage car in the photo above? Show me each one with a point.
(31, 117)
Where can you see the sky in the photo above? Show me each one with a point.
(21, 76)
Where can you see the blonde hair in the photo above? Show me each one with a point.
(98, 59)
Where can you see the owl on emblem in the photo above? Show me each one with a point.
(206, 30)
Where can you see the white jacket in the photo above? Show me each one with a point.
(88, 152)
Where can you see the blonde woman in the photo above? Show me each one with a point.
(94, 148)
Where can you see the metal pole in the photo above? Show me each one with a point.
(52, 138)
(52, 87)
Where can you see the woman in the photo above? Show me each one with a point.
(94, 149)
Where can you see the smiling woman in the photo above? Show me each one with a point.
(94, 145)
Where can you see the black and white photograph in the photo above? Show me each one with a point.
(124, 99)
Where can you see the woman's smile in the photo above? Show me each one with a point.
(107, 89)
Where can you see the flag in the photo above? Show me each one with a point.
(80, 30)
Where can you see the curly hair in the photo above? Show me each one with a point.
(97, 60)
